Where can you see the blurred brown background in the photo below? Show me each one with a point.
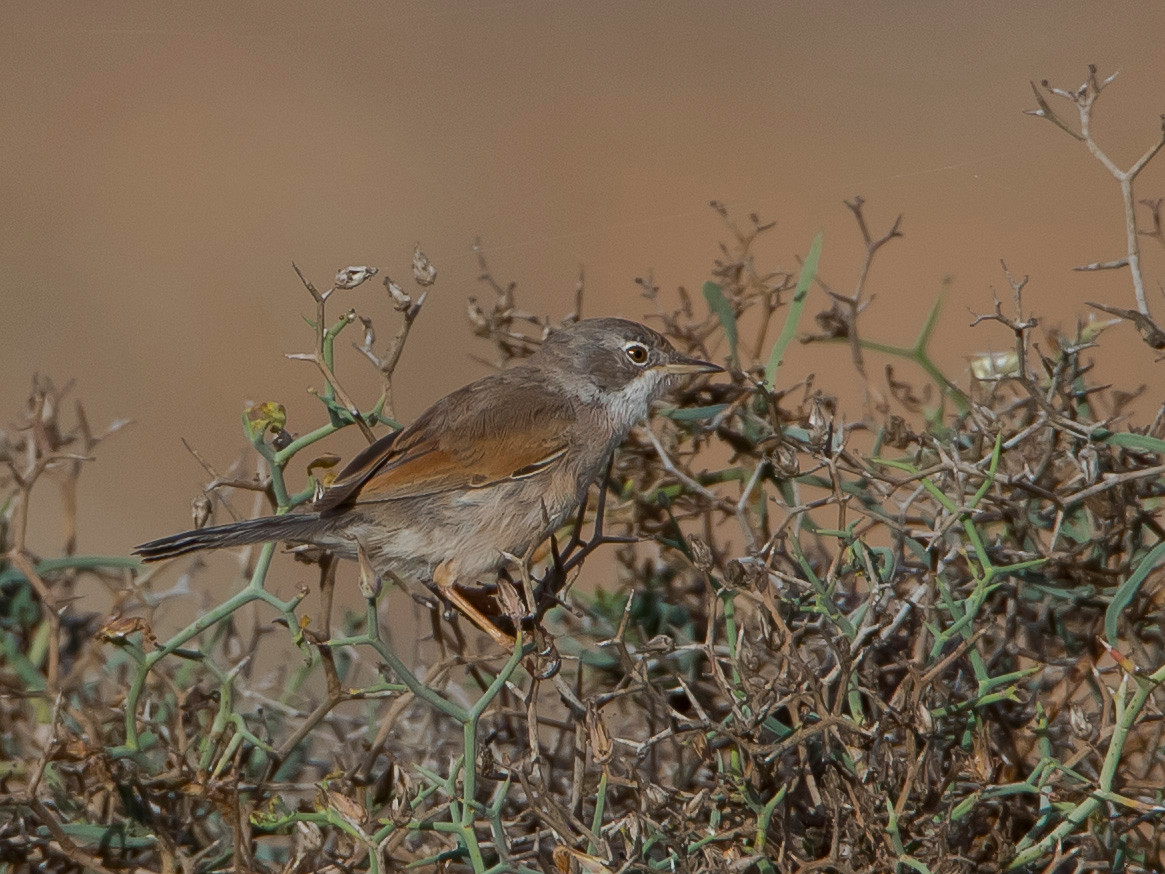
(163, 164)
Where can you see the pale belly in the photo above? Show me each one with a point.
(471, 532)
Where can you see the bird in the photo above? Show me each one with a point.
(488, 472)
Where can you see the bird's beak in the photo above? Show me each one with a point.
(681, 365)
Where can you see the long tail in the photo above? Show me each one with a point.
(300, 527)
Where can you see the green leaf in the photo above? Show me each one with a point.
(720, 305)
(808, 271)
(688, 414)
(1128, 589)
(1129, 441)
(106, 836)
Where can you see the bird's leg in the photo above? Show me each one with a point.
(445, 583)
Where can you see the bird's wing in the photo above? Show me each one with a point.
(468, 440)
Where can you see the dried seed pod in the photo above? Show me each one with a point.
(701, 552)
(350, 277)
(423, 270)
(200, 510)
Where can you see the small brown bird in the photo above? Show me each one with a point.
(489, 471)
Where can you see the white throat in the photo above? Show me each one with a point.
(630, 404)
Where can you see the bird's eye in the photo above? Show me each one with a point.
(637, 352)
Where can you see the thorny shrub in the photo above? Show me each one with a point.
(929, 639)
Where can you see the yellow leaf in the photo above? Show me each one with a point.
(267, 416)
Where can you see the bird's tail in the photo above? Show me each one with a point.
(298, 527)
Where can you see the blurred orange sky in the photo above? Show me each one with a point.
(165, 163)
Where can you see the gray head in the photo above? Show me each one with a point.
(623, 364)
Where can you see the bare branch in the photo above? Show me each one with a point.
(1084, 98)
